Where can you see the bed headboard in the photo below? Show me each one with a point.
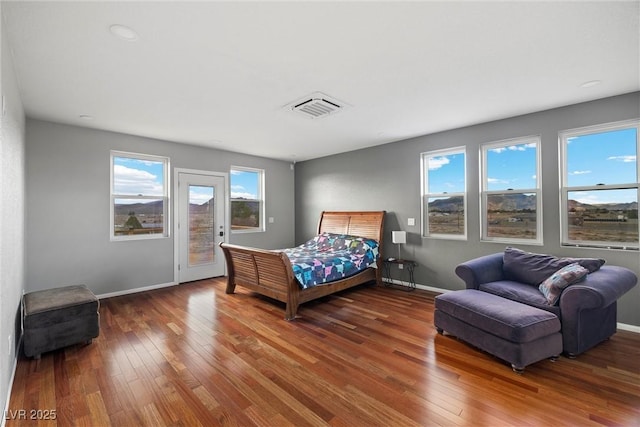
(367, 224)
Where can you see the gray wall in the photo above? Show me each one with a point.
(12, 194)
(388, 177)
(68, 204)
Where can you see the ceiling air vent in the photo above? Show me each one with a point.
(316, 105)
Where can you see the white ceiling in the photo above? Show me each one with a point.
(219, 74)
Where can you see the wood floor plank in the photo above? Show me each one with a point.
(191, 355)
(97, 410)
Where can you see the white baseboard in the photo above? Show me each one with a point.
(630, 328)
(433, 289)
(423, 287)
(621, 326)
(136, 290)
(11, 380)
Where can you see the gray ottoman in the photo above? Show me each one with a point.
(518, 333)
(56, 318)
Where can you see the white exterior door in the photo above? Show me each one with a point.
(201, 226)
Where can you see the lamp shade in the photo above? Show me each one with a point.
(399, 237)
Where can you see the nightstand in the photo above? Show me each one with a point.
(401, 265)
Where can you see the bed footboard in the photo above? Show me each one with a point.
(266, 272)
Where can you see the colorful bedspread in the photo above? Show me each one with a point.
(329, 257)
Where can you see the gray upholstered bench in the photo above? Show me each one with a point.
(56, 318)
(518, 333)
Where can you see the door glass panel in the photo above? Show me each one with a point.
(201, 221)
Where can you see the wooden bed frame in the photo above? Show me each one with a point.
(269, 272)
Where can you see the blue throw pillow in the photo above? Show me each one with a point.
(553, 286)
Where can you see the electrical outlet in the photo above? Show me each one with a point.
(400, 266)
(271, 220)
(411, 222)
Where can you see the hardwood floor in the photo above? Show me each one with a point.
(191, 355)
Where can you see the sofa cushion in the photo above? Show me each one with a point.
(553, 286)
(519, 292)
(533, 268)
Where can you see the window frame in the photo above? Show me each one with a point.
(485, 192)
(260, 198)
(565, 189)
(425, 195)
(166, 226)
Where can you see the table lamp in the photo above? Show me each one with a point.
(399, 238)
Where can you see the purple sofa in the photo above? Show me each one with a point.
(587, 309)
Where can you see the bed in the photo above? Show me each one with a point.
(270, 273)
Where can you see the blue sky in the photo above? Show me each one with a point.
(244, 184)
(512, 167)
(604, 158)
(446, 174)
(199, 195)
(137, 177)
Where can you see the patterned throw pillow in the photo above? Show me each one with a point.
(553, 286)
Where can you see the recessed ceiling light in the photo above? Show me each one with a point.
(123, 32)
(85, 117)
(590, 83)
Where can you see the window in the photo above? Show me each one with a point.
(247, 204)
(599, 194)
(139, 196)
(510, 198)
(444, 192)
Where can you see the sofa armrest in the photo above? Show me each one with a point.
(599, 289)
(480, 270)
